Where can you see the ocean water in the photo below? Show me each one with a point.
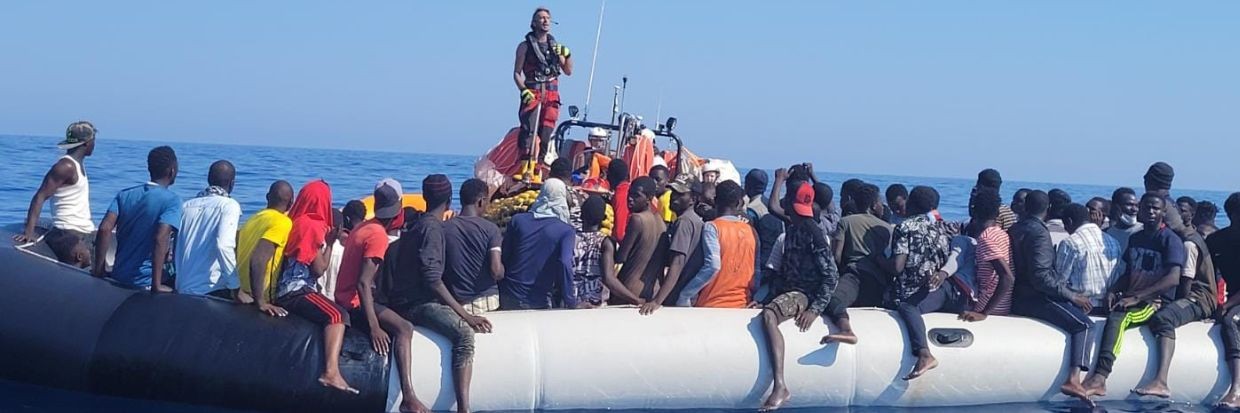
(118, 164)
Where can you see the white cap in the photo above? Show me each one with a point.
(647, 133)
(598, 132)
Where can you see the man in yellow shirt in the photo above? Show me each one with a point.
(260, 245)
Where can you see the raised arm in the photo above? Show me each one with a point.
(773, 205)
(62, 173)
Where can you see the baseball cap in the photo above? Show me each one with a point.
(685, 183)
(78, 134)
(387, 199)
(803, 203)
(598, 133)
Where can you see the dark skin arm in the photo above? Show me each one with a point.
(365, 291)
(497, 264)
(518, 76)
(61, 174)
(674, 268)
(1136, 297)
(609, 274)
(1006, 279)
(159, 255)
(773, 204)
(263, 252)
(626, 246)
(103, 241)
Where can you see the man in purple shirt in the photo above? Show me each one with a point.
(538, 257)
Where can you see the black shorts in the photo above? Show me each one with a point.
(63, 242)
(314, 307)
(359, 314)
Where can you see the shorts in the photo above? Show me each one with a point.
(62, 242)
(314, 307)
(788, 305)
(359, 314)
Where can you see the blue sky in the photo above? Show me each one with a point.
(1058, 91)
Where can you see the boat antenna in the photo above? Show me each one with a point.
(615, 102)
(658, 112)
(590, 84)
(624, 88)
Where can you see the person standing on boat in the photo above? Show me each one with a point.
(1042, 293)
(66, 184)
(145, 218)
(729, 276)
(644, 247)
(802, 275)
(472, 260)
(206, 247)
(540, 60)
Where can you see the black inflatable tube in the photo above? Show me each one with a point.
(61, 328)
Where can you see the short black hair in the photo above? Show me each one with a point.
(472, 190)
(989, 178)
(865, 197)
(1232, 206)
(1098, 199)
(896, 191)
(1206, 211)
(660, 168)
(1186, 200)
(1120, 192)
(1059, 200)
(823, 194)
(1076, 213)
(922, 200)
(562, 168)
(221, 173)
(159, 161)
(594, 210)
(617, 172)
(985, 201)
(728, 194)
(1154, 195)
(645, 184)
(1037, 202)
(354, 213)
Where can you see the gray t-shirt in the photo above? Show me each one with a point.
(686, 239)
(865, 239)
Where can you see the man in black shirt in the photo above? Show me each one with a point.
(1224, 246)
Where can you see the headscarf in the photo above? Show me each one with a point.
(312, 220)
(552, 201)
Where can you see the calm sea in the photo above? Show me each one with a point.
(118, 164)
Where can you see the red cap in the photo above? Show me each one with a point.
(803, 204)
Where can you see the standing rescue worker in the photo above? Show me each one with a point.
(539, 63)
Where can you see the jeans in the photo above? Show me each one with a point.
(443, 320)
(944, 299)
(1230, 328)
(1064, 315)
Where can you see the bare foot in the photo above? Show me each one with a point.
(413, 405)
(924, 364)
(1076, 390)
(1095, 385)
(337, 382)
(844, 337)
(778, 396)
(1230, 401)
(1155, 388)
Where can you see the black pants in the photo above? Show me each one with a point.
(1068, 317)
(854, 290)
(944, 299)
(1230, 328)
(1162, 321)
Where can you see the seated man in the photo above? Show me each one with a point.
(1224, 247)
(993, 256)
(66, 184)
(860, 246)
(1155, 261)
(260, 249)
(802, 277)
(1088, 260)
(144, 217)
(206, 247)
(472, 259)
(730, 245)
(538, 256)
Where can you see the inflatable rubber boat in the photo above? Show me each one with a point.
(65, 329)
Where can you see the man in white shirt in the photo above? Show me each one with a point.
(206, 246)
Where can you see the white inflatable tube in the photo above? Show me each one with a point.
(716, 358)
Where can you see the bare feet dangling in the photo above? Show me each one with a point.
(843, 337)
(779, 395)
(924, 364)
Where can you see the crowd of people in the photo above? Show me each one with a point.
(786, 248)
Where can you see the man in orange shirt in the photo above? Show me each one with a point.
(727, 279)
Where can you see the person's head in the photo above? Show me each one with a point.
(866, 200)
(1059, 199)
(803, 200)
(437, 191)
(1151, 211)
(1123, 203)
(686, 193)
(389, 197)
(598, 138)
(222, 174)
(846, 196)
(1018, 201)
(280, 196)
(1037, 203)
(354, 213)
(617, 172)
(1232, 206)
(161, 162)
(79, 138)
(1097, 208)
(922, 200)
(474, 193)
(70, 250)
(541, 21)
(1187, 207)
(984, 204)
(1158, 178)
(661, 176)
(562, 169)
(641, 191)
(593, 212)
(1206, 211)
(897, 197)
(314, 199)
(755, 183)
(989, 178)
(823, 196)
(729, 198)
(337, 225)
(1074, 216)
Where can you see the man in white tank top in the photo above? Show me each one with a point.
(66, 184)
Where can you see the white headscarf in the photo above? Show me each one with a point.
(552, 201)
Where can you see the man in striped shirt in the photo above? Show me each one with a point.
(1088, 260)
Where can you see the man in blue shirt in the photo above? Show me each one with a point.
(144, 217)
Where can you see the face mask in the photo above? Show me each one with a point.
(1128, 220)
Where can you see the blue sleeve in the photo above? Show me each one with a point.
(567, 293)
(710, 245)
(171, 214)
(115, 206)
